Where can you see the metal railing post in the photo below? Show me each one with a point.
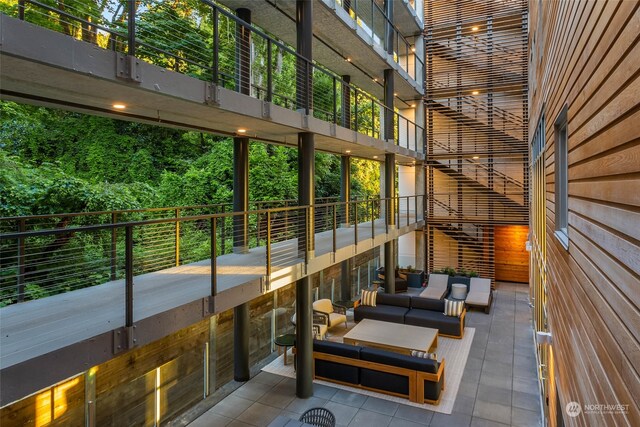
(387, 203)
(269, 71)
(408, 199)
(355, 223)
(355, 109)
(128, 266)
(21, 10)
(21, 259)
(216, 47)
(268, 248)
(335, 100)
(214, 256)
(114, 242)
(177, 232)
(373, 227)
(335, 224)
(223, 233)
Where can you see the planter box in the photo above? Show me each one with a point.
(415, 279)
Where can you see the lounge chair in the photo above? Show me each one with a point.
(337, 314)
(436, 286)
(320, 324)
(480, 294)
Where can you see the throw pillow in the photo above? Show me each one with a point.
(453, 308)
(368, 298)
(424, 354)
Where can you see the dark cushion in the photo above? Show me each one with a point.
(387, 313)
(401, 285)
(334, 370)
(433, 319)
(427, 304)
(432, 390)
(391, 299)
(387, 381)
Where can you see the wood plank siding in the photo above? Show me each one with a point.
(584, 61)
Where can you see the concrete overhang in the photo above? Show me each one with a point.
(43, 67)
(336, 38)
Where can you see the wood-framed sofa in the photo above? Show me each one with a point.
(414, 378)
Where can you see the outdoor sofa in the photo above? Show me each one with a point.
(416, 378)
(415, 311)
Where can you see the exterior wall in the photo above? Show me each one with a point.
(585, 56)
(512, 258)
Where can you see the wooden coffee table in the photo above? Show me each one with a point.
(392, 336)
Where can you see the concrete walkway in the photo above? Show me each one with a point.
(499, 385)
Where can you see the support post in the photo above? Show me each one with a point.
(345, 186)
(240, 194)
(389, 115)
(241, 370)
(243, 52)
(304, 339)
(304, 39)
(346, 102)
(389, 247)
(345, 280)
(389, 30)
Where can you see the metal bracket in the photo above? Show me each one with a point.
(208, 306)
(128, 68)
(266, 110)
(305, 121)
(265, 284)
(123, 339)
(211, 94)
(332, 129)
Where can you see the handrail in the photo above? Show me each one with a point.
(212, 66)
(65, 257)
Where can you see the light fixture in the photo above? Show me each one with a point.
(413, 48)
(395, 94)
(475, 92)
(475, 157)
(347, 59)
(347, 151)
(474, 28)
(119, 106)
(241, 130)
(412, 105)
(375, 79)
(375, 157)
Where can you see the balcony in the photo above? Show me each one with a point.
(96, 284)
(159, 82)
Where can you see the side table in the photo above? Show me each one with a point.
(284, 341)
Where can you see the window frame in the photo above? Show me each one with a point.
(561, 177)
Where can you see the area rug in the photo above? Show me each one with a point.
(455, 352)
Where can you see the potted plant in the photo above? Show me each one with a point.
(415, 278)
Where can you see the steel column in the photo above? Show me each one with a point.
(389, 247)
(240, 194)
(389, 116)
(304, 39)
(243, 52)
(389, 30)
(304, 339)
(306, 190)
(241, 370)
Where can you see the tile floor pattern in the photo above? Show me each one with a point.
(499, 385)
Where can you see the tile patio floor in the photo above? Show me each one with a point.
(499, 386)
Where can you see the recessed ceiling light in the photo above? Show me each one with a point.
(242, 131)
(375, 79)
(347, 59)
(475, 92)
(475, 157)
(412, 105)
(395, 94)
(375, 157)
(119, 106)
(474, 28)
(347, 151)
(413, 48)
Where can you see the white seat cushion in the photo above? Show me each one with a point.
(433, 292)
(478, 298)
(336, 319)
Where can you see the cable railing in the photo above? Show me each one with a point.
(369, 16)
(205, 41)
(46, 255)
